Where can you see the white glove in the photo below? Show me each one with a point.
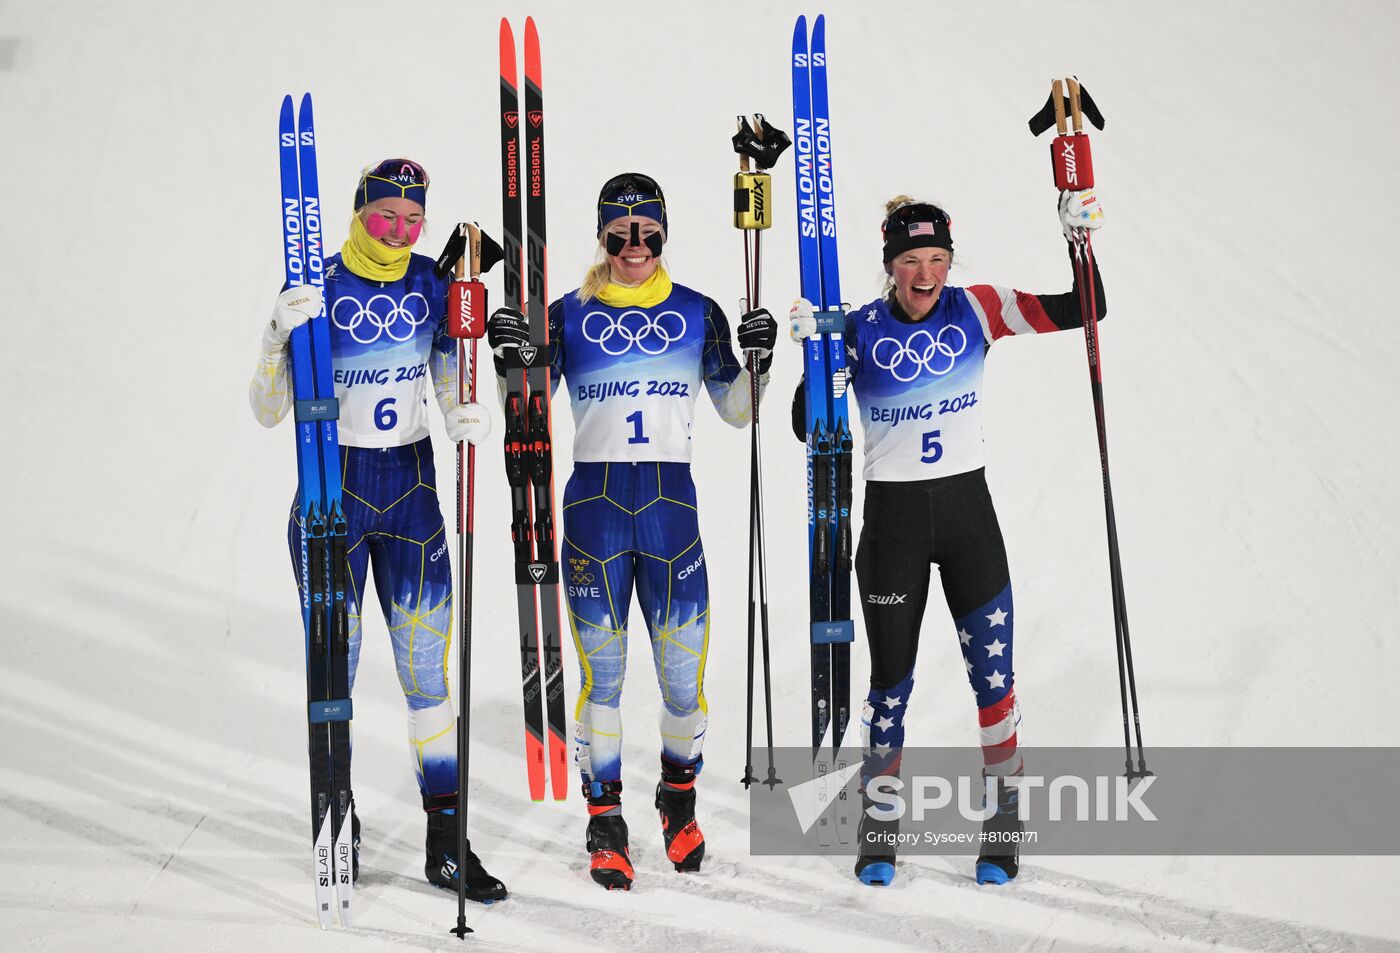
(1079, 212)
(469, 422)
(802, 321)
(295, 307)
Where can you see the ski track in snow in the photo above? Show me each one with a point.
(152, 721)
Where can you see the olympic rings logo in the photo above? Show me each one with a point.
(397, 321)
(616, 334)
(908, 359)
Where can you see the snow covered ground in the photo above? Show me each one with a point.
(152, 760)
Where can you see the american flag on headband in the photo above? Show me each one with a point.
(920, 228)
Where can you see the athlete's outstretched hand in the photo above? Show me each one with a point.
(295, 306)
(802, 321)
(1080, 212)
(469, 422)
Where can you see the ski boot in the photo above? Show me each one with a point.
(609, 864)
(999, 859)
(675, 799)
(876, 839)
(442, 869)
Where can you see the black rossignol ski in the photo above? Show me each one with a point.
(529, 450)
(828, 430)
(323, 541)
(1072, 162)
(762, 144)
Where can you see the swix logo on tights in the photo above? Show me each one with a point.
(893, 599)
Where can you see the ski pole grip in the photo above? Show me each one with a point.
(1073, 163)
(466, 309)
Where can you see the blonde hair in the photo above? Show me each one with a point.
(888, 290)
(599, 275)
(896, 202)
(596, 278)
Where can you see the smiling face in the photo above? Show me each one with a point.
(635, 263)
(919, 275)
(392, 221)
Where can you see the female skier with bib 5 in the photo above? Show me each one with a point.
(915, 357)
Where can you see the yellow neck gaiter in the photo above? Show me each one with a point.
(653, 291)
(373, 259)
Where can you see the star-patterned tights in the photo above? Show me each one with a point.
(909, 528)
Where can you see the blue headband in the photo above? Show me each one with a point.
(393, 179)
(631, 194)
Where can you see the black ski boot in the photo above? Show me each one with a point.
(675, 799)
(442, 868)
(876, 847)
(609, 862)
(999, 859)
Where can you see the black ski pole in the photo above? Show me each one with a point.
(762, 144)
(1074, 171)
(466, 321)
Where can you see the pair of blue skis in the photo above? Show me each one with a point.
(828, 426)
(323, 539)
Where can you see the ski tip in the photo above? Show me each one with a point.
(507, 52)
(305, 104)
(507, 48)
(532, 52)
(819, 31)
(799, 30)
(879, 874)
(990, 873)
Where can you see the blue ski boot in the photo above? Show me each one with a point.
(876, 839)
(999, 860)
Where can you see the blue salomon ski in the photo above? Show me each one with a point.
(828, 428)
(323, 538)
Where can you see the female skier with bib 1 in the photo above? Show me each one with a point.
(388, 334)
(634, 350)
(915, 357)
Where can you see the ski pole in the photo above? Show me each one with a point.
(761, 144)
(1072, 163)
(466, 322)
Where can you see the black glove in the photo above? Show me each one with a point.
(506, 328)
(759, 332)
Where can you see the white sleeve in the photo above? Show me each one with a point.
(269, 392)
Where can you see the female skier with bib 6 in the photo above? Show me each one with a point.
(387, 310)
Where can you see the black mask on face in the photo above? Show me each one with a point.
(616, 243)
